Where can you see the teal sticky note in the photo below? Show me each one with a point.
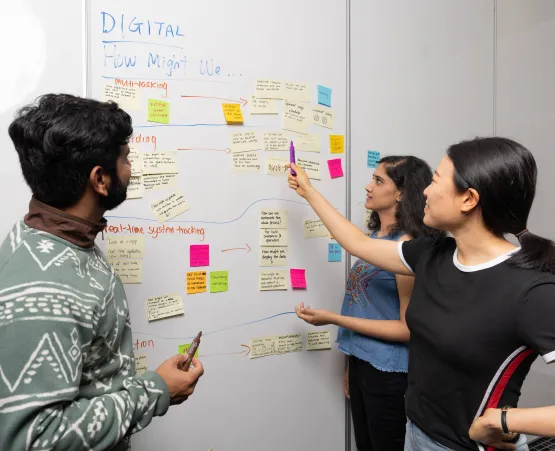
(324, 95)
(373, 159)
(334, 252)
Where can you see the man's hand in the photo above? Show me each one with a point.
(181, 384)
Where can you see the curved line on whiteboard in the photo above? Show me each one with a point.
(213, 222)
(218, 330)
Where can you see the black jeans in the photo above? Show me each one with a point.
(377, 407)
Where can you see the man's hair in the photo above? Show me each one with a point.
(61, 138)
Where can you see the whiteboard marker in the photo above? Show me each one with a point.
(292, 156)
(194, 346)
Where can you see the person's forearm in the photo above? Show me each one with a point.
(534, 421)
(347, 234)
(389, 330)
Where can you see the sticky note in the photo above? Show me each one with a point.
(315, 228)
(165, 306)
(334, 252)
(324, 95)
(160, 162)
(129, 271)
(275, 345)
(218, 281)
(268, 89)
(184, 349)
(336, 170)
(295, 117)
(131, 246)
(169, 207)
(318, 340)
(307, 143)
(127, 97)
(272, 280)
(276, 219)
(199, 255)
(296, 92)
(373, 159)
(289, 343)
(322, 116)
(311, 167)
(245, 162)
(232, 113)
(244, 142)
(276, 141)
(158, 111)
(298, 278)
(262, 347)
(141, 364)
(337, 143)
(135, 189)
(196, 282)
(276, 166)
(273, 256)
(159, 181)
(263, 106)
(273, 237)
(136, 159)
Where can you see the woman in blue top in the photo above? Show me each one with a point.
(372, 329)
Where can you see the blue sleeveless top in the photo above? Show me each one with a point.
(371, 293)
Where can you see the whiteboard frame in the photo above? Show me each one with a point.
(87, 90)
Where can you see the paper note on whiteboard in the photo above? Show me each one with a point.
(164, 306)
(295, 117)
(169, 207)
(127, 97)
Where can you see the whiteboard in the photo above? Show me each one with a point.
(422, 78)
(293, 401)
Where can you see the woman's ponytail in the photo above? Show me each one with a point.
(535, 252)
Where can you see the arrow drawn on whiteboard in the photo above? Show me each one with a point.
(243, 101)
(246, 352)
(226, 150)
(248, 249)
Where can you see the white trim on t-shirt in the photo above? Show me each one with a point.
(401, 256)
(485, 265)
(549, 357)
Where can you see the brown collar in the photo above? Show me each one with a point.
(76, 230)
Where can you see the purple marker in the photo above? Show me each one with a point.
(292, 156)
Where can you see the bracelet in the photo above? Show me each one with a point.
(504, 419)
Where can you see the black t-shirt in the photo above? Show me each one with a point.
(475, 331)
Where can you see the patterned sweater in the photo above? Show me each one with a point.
(67, 371)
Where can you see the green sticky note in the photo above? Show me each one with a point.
(182, 349)
(218, 281)
(158, 111)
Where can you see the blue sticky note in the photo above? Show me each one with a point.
(334, 252)
(324, 95)
(373, 159)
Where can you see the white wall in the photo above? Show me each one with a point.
(526, 113)
(37, 58)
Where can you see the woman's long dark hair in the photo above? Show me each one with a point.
(504, 174)
(411, 176)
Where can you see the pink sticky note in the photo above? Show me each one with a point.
(335, 168)
(199, 255)
(298, 278)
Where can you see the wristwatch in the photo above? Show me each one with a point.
(504, 419)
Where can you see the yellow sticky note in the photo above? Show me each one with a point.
(164, 306)
(196, 282)
(160, 163)
(337, 143)
(318, 340)
(135, 189)
(272, 280)
(128, 270)
(314, 228)
(158, 111)
(131, 246)
(232, 113)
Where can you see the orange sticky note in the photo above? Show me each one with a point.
(196, 282)
(232, 113)
(337, 143)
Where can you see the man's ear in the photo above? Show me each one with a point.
(470, 201)
(99, 180)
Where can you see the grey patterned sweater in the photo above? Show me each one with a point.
(67, 371)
